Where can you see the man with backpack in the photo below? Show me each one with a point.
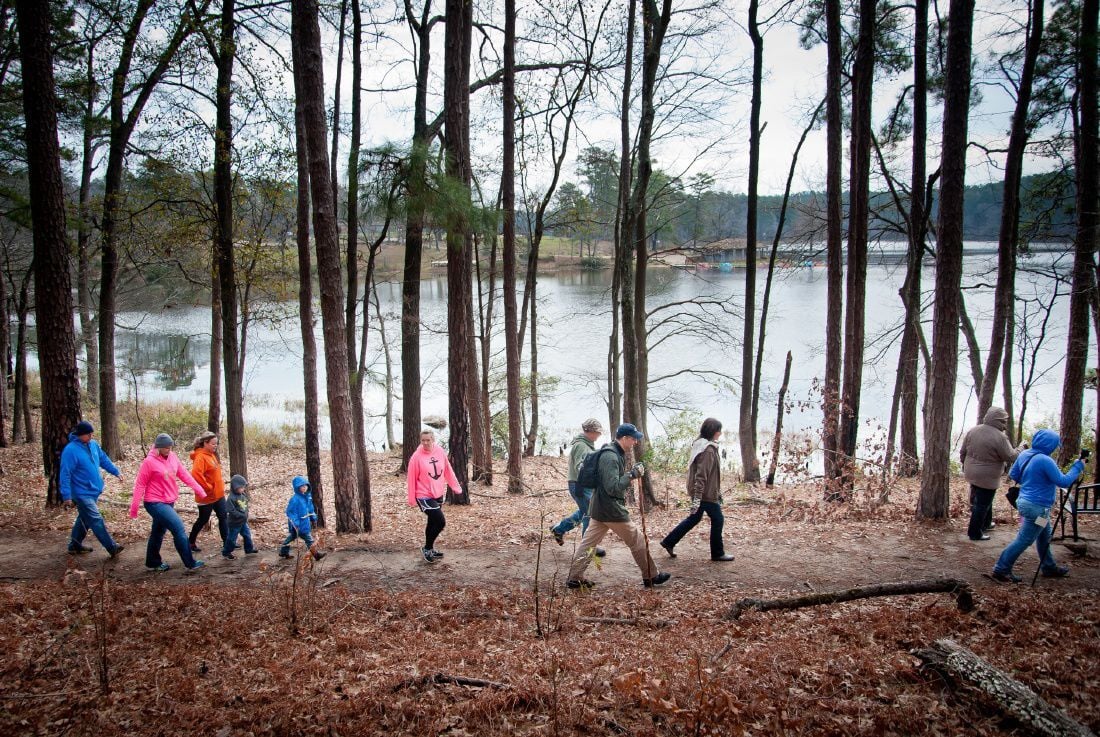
(608, 511)
(583, 445)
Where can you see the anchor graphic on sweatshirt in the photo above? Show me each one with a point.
(435, 473)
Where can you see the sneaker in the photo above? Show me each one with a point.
(251, 552)
(436, 553)
(558, 537)
(580, 583)
(657, 580)
(119, 547)
(193, 569)
(989, 527)
(1056, 572)
(159, 569)
(599, 552)
(722, 558)
(668, 549)
(318, 555)
(284, 553)
(428, 554)
(195, 548)
(979, 539)
(1005, 577)
(229, 556)
(79, 549)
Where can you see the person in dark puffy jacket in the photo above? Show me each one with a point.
(237, 517)
(984, 453)
(704, 490)
(300, 514)
(80, 484)
(1039, 478)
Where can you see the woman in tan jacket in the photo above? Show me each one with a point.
(704, 488)
(206, 468)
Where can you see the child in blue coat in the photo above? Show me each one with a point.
(299, 517)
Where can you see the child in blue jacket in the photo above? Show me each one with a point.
(299, 518)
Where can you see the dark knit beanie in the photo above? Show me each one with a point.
(83, 428)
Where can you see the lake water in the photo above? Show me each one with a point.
(169, 350)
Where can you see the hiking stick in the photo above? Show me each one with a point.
(1061, 511)
(641, 511)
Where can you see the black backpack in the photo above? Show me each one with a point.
(588, 477)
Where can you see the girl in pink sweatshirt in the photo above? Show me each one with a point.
(157, 487)
(429, 475)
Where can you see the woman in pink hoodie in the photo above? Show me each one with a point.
(430, 474)
(157, 487)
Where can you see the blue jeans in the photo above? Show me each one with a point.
(231, 539)
(88, 519)
(165, 519)
(284, 549)
(717, 521)
(582, 497)
(1029, 533)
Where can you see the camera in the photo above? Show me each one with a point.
(1085, 453)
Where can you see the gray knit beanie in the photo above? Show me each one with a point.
(164, 440)
(237, 482)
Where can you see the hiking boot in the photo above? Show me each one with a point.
(722, 558)
(436, 554)
(657, 580)
(229, 556)
(251, 552)
(1056, 572)
(599, 552)
(558, 537)
(580, 583)
(318, 554)
(284, 553)
(119, 547)
(1005, 577)
(159, 569)
(668, 549)
(79, 549)
(428, 554)
(194, 569)
(195, 548)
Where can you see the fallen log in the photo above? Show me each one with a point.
(631, 621)
(995, 688)
(964, 595)
(447, 678)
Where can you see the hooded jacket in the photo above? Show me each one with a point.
(238, 499)
(157, 481)
(80, 464)
(1042, 476)
(704, 474)
(608, 500)
(985, 450)
(207, 470)
(581, 447)
(430, 474)
(300, 512)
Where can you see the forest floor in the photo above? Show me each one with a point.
(371, 639)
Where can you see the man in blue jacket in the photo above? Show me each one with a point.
(81, 484)
(1039, 478)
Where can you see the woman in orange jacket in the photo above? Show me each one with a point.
(206, 467)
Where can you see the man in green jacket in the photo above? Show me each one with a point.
(583, 444)
(609, 513)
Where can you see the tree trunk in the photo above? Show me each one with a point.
(481, 459)
(84, 231)
(746, 431)
(5, 349)
(214, 407)
(777, 440)
(227, 271)
(456, 104)
(414, 243)
(508, 207)
(863, 73)
(1010, 211)
(1088, 220)
(362, 464)
(52, 282)
(907, 372)
(533, 430)
(336, 122)
(934, 502)
(21, 429)
(307, 43)
(835, 298)
(390, 440)
(305, 312)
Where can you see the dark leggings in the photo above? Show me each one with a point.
(205, 510)
(436, 523)
(981, 511)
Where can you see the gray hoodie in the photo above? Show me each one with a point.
(238, 500)
(985, 450)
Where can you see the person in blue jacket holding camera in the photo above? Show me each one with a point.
(1039, 478)
(81, 484)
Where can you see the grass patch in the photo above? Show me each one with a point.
(184, 421)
